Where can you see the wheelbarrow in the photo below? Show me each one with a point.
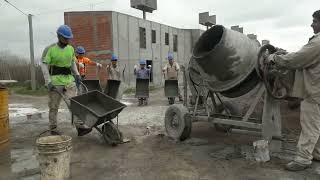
(112, 88)
(96, 110)
(171, 90)
(142, 91)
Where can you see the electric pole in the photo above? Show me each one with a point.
(32, 66)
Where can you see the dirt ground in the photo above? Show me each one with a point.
(208, 155)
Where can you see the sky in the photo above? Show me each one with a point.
(286, 23)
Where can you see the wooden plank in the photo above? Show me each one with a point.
(254, 103)
(271, 122)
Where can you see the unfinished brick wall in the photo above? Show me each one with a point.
(93, 31)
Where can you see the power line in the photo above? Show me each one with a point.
(15, 7)
(62, 10)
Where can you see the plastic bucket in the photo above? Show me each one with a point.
(4, 116)
(261, 150)
(54, 157)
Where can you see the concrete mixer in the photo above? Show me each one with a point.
(226, 63)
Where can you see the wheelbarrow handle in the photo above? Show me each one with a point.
(64, 97)
(83, 85)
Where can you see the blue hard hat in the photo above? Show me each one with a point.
(65, 31)
(170, 56)
(114, 57)
(142, 62)
(80, 50)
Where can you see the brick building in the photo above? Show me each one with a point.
(130, 38)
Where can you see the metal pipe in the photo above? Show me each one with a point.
(227, 122)
(246, 132)
(144, 15)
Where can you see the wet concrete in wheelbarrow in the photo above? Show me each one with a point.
(150, 154)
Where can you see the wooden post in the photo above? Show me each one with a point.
(185, 86)
(271, 122)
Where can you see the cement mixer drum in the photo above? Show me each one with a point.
(226, 61)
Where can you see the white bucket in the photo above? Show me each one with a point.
(261, 150)
(54, 157)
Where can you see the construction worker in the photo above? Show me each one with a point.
(114, 78)
(306, 62)
(142, 73)
(82, 61)
(113, 70)
(60, 74)
(171, 70)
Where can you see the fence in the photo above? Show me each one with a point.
(15, 68)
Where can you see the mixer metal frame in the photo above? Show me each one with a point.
(268, 126)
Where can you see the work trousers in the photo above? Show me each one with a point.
(309, 146)
(54, 103)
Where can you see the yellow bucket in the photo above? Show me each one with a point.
(4, 116)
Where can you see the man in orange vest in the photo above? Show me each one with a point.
(83, 61)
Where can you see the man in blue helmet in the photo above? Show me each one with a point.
(142, 73)
(60, 74)
(82, 61)
(114, 78)
(113, 70)
(171, 71)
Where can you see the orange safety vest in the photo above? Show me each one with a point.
(84, 61)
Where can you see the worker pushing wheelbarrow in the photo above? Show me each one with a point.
(142, 82)
(96, 110)
(61, 76)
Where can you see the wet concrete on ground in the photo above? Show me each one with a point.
(150, 154)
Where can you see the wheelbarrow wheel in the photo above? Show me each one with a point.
(178, 122)
(111, 133)
(229, 108)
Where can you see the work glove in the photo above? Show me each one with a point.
(267, 57)
(270, 59)
(50, 86)
(77, 79)
(99, 65)
(81, 65)
(149, 66)
(135, 67)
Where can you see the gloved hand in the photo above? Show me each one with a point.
(149, 66)
(270, 59)
(99, 65)
(50, 86)
(81, 65)
(77, 79)
(135, 66)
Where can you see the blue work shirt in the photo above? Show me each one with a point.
(142, 73)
